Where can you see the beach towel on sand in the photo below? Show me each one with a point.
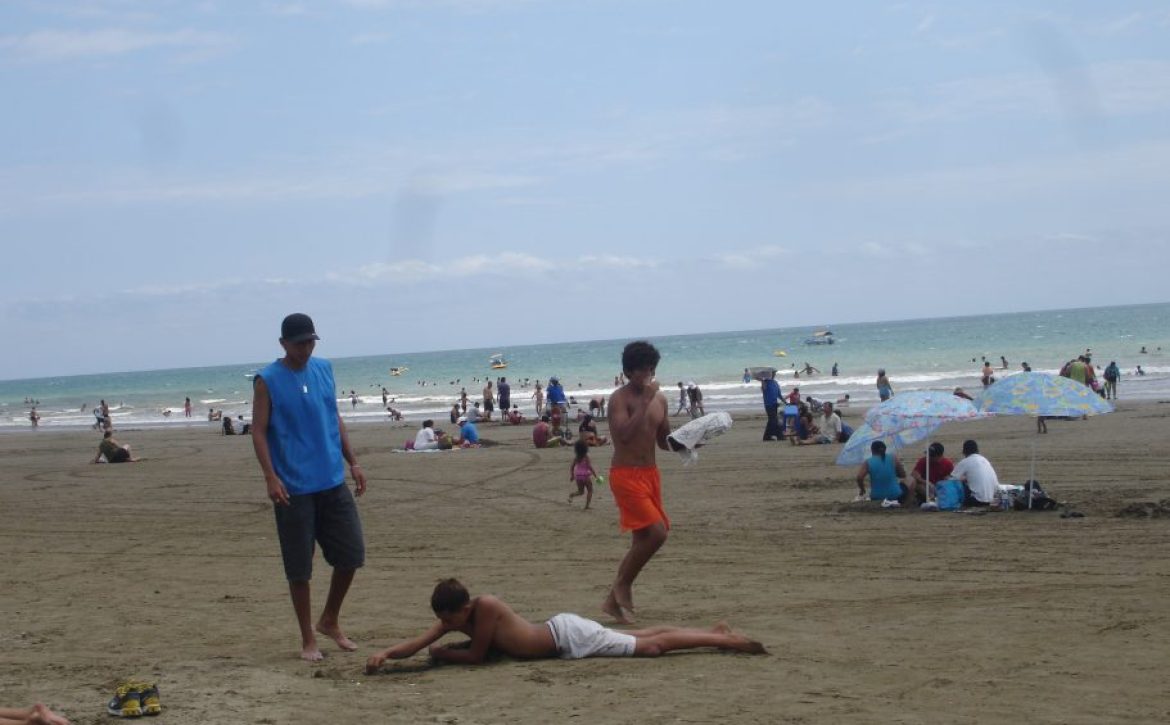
(699, 431)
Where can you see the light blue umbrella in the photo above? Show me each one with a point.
(1041, 394)
(856, 449)
(922, 409)
(911, 416)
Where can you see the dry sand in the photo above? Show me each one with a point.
(169, 569)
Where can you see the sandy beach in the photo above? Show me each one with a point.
(169, 569)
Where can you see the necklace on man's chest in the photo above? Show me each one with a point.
(302, 378)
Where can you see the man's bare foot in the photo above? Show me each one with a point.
(334, 633)
(753, 647)
(310, 653)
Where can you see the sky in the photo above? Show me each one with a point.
(176, 176)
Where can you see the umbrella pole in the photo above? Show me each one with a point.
(1032, 472)
(928, 475)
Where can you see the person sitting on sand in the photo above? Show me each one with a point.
(829, 430)
(515, 417)
(468, 433)
(36, 714)
(114, 451)
(542, 434)
(425, 439)
(980, 482)
(588, 432)
(495, 627)
(804, 428)
(885, 472)
(940, 468)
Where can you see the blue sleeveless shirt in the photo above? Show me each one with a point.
(304, 439)
(883, 478)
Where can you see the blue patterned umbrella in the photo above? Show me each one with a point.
(1041, 394)
(856, 449)
(922, 409)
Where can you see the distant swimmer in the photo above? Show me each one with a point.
(1004, 362)
(1144, 351)
(1140, 371)
(1026, 367)
(834, 373)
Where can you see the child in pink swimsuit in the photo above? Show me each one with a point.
(581, 472)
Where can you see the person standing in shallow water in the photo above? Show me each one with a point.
(884, 388)
(302, 446)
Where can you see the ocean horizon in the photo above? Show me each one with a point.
(930, 353)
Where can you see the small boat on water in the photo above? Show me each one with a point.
(820, 337)
(497, 361)
(396, 371)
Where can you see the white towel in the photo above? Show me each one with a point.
(699, 431)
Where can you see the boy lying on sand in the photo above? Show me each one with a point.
(493, 625)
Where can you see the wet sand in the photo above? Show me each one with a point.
(169, 569)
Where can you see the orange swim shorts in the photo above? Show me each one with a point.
(637, 491)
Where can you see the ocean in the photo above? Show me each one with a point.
(941, 353)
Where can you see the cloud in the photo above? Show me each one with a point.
(417, 270)
(48, 46)
(614, 261)
(750, 258)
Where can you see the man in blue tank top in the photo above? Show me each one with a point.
(300, 441)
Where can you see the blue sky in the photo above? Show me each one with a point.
(435, 174)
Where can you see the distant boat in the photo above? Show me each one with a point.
(497, 361)
(820, 337)
(779, 353)
(398, 370)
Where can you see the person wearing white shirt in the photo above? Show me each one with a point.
(980, 484)
(425, 439)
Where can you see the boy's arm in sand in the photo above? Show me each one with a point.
(405, 649)
(485, 620)
(261, 410)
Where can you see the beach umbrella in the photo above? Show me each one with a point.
(1041, 395)
(924, 411)
(856, 449)
(922, 408)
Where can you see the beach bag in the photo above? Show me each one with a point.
(1041, 501)
(949, 493)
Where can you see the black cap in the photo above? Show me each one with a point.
(298, 327)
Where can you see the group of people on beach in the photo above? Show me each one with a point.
(303, 448)
(886, 476)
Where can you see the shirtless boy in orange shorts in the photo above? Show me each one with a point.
(638, 422)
